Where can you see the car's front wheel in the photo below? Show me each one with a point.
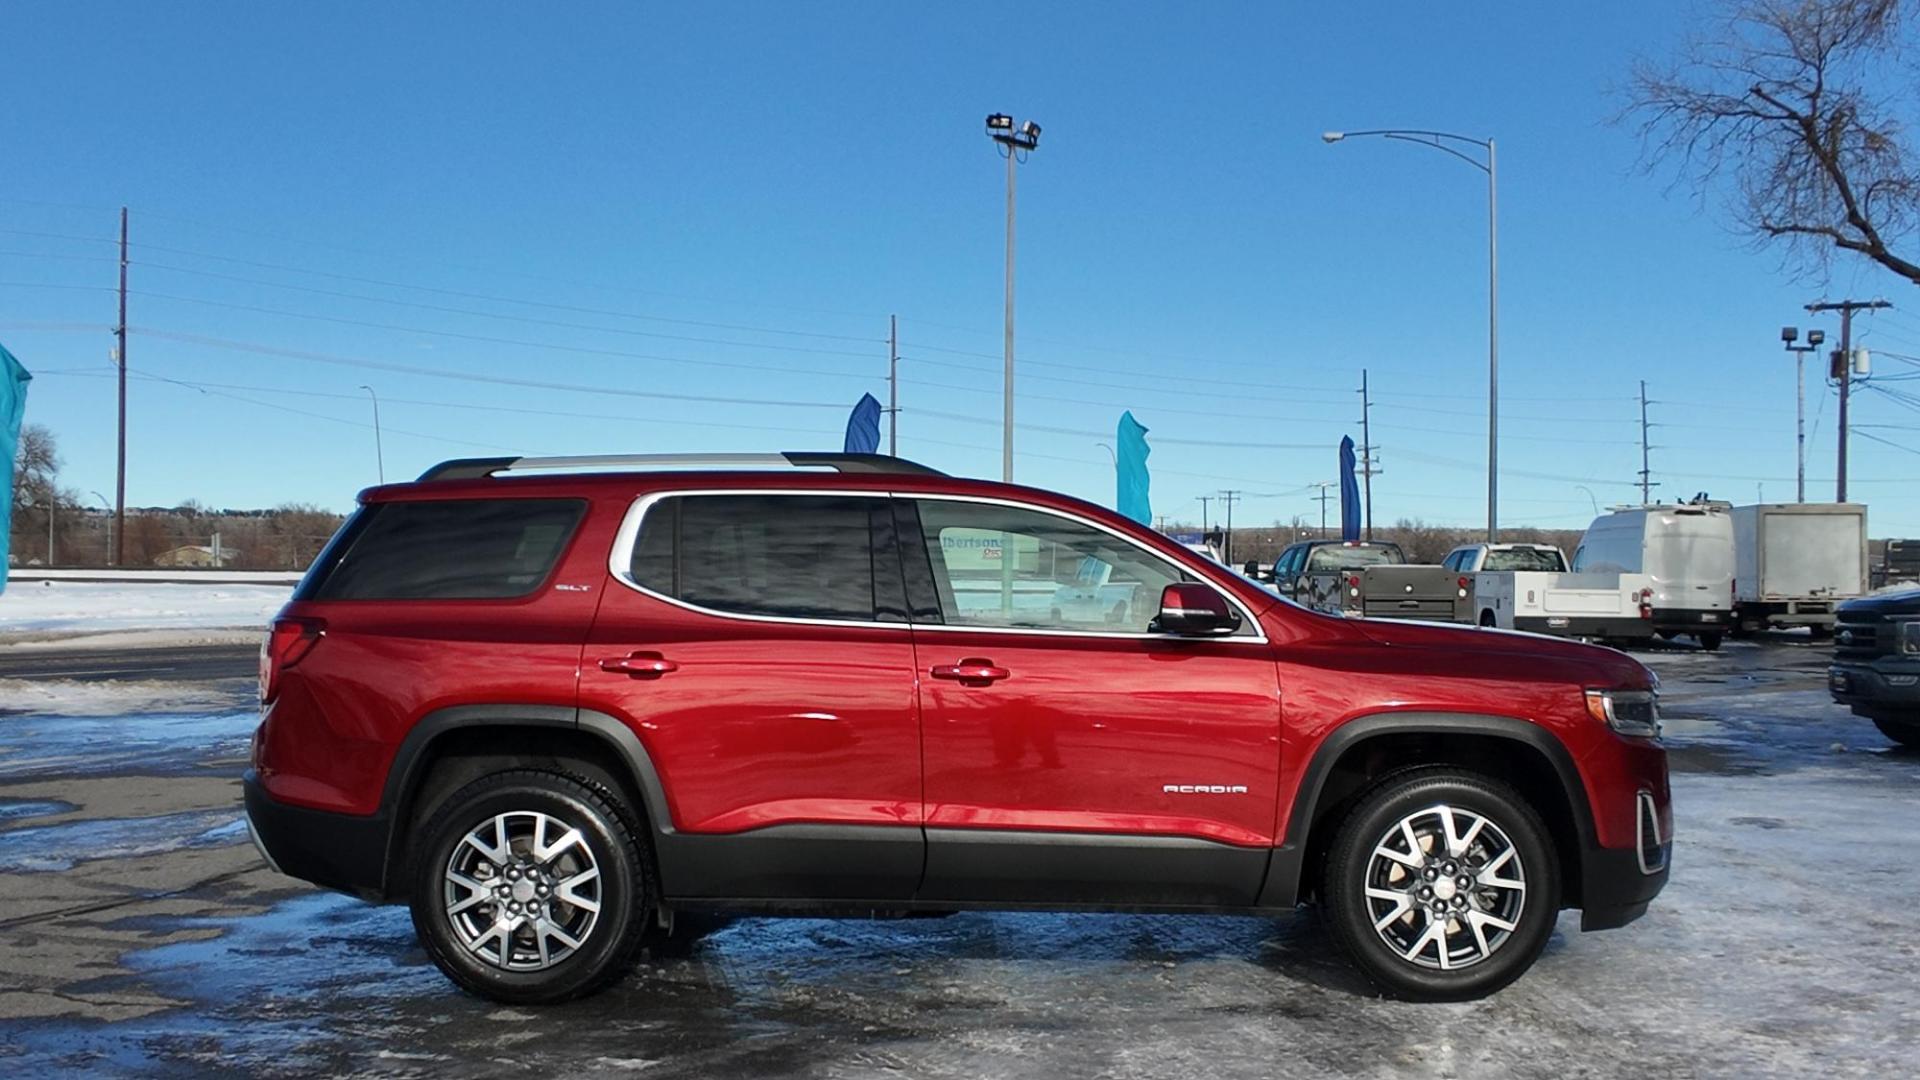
(1442, 884)
(529, 887)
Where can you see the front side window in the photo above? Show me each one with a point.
(783, 556)
(1017, 568)
(446, 549)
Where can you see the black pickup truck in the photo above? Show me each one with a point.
(1876, 662)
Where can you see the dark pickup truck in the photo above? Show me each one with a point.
(1876, 662)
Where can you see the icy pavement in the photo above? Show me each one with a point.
(1788, 944)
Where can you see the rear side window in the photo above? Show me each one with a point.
(457, 549)
(782, 556)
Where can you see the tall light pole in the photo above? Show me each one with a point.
(1015, 144)
(1591, 501)
(1788, 334)
(1441, 140)
(379, 452)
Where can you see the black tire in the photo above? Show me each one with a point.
(1351, 866)
(1709, 640)
(1904, 732)
(610, 837)
(1487, 619)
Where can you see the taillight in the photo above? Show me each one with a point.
(287, 643)
(1461, 584)
(1353, 581)
(1646, 603)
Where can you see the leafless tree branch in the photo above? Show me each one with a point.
(1793, 110)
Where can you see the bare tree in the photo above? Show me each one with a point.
(1796, 106)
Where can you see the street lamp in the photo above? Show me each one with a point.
(108, 507)
(1591, 501)
(379, 452)
(1788, 335)
(1015, 144)
(1441, 140)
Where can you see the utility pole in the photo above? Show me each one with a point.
(1645, 474)
(1844, 373)
(1204, 500)
(893, 386)
(1228, 496)
(120, 361)
(1366, 451)
(1322, 500)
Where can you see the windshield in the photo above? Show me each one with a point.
(1526, 558)
(1347, 558)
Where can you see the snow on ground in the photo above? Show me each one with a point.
(36, 608)
(115, 697)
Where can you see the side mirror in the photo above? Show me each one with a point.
(1194, 609)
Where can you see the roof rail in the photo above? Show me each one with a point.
(482, 468)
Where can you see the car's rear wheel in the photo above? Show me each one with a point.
(530, 887)
(1709, 640)
(1904, 732)
(1442, 885)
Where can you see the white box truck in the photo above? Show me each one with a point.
(1686, 548)
(1793, 563)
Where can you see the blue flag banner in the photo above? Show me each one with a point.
(863, 427)
(1349, 492)
(13, 409)
(1130, 470)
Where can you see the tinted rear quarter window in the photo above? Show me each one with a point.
(455, 549)
(785, 556)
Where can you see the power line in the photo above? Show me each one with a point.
(466, 376)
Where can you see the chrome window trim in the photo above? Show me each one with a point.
(620, 567)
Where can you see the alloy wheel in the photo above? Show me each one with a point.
(522, 890)
(1445, 887)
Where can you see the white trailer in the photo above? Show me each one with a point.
(1606, 606)
(1793, 563)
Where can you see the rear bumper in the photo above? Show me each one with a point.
(1689, 620)
(1606, 626)
(335, 851)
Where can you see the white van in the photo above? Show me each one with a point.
(1687, 551)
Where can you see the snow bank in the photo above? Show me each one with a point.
(74, 606)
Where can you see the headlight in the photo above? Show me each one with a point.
(1629, 712)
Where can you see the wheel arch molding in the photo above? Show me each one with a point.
(492, 729)
(1324, 786)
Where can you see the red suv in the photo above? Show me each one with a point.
(557, 704)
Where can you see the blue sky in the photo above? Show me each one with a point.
(727, 201)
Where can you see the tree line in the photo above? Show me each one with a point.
(53, 526)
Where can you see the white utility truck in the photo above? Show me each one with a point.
(1687, 551)
(1527, 587)
(1793, 563)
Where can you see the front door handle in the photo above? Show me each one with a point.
(639, 665)
(971, 671)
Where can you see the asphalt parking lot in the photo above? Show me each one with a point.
(143, 936)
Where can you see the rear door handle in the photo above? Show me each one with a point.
(971, 670)
(639, 665)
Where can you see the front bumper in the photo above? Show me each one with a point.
(1889, 686)
(335, 851)
(1618, 884)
